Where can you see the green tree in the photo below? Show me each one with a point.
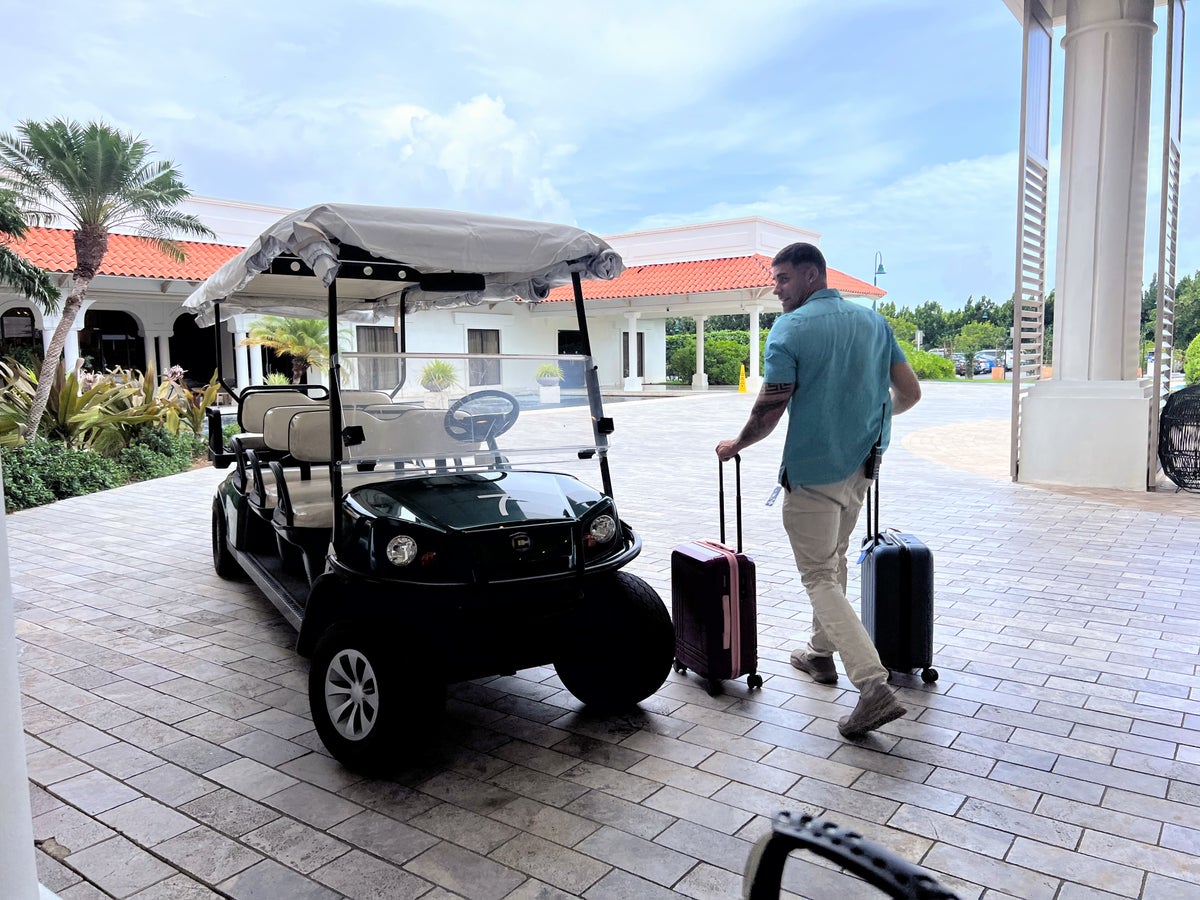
(306, 341)
(16, 271)
(96, 178)
(1187, 309)
(976, 336)
(931, 319)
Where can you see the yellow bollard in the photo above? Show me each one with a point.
(742, 381)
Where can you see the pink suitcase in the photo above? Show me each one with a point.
(713, 604)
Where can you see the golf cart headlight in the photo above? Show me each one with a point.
(401, 550)
(603, 529)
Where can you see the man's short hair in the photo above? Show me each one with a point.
(800, 253)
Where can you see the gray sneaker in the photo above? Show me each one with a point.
(820, 668)
(876, 707)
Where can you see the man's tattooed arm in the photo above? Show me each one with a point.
(768, 409)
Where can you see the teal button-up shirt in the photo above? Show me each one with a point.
(839, 355)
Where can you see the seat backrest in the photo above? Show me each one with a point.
(253, 407)
(277, 423)
(414, 434)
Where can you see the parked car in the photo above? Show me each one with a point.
(960, 364)
(419, 536)
(984, 364)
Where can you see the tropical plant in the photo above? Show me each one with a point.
(306, 341)
(276, 378)
(550, 372)
(1191, 361)
(96, 178)
(16, 271)
(438, 375)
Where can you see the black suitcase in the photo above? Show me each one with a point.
(872, 862)
(897, 596)
(713, 603)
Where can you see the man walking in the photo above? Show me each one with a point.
(837, 369)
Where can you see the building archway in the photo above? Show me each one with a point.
(109, 338)
(193, 349)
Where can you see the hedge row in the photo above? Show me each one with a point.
(42, 471)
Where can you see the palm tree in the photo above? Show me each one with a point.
(306, 341)
(96, 178)
(16, 271)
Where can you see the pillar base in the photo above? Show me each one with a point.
(700, 381)
(632, 384)
(1086, 434)
(754, 384)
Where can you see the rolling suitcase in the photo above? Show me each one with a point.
(897, 595)
(713, 603)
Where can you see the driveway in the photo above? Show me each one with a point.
(171, 754)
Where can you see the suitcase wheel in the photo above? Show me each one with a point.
(680, 668)
(929, 676)
(755, 681)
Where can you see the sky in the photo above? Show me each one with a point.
(890, 127)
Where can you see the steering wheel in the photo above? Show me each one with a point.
(481, 416)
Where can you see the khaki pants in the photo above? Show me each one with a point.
(818, 520)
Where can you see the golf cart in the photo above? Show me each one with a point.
(417, 530)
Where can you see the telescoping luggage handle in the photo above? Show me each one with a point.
(737, 482)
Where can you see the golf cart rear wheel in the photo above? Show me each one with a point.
(362, 714)
(223, 562)
(620, 647)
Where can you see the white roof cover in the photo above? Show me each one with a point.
(517, 258)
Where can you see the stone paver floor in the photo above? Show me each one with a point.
(171, 754)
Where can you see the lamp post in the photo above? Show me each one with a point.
(879, 270)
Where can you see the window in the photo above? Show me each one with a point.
(483, 340)
(377, 374)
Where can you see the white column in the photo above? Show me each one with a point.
(256, 364)
(754, 376)
(1089, 424)
(164, 352)
(632, 381)
(151, 354)
(18, 871)
(241, 366)
(700, 377)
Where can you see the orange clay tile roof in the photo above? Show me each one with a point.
(133, 256)
(53, 249)
(701, 276)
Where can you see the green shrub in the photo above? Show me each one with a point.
(928, 366)
(723, 359)
(154, 452)
(1191, 361)
(44, 471)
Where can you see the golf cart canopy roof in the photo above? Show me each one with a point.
(381, 256)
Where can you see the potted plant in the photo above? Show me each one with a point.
(438, 376)
(548, 375)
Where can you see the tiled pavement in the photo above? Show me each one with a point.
(1058, 756)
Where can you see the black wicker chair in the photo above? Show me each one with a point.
(1179, 438)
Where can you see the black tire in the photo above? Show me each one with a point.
(223, 562)
(754, 682)
(363, 714)
(620, 648)
(929, 676)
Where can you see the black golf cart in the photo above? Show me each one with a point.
(428, 518)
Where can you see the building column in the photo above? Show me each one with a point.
(241, 363)
(71, 347)
(632, 381)
(148, 343)
(256, 365)
(164, 352)
(1089, 423)
(16, 819)
(753, 377)
(700, 377)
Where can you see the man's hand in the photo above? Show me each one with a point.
(727, 450)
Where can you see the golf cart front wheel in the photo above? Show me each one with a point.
(223, 562)
(361, 713)
(619, 648)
